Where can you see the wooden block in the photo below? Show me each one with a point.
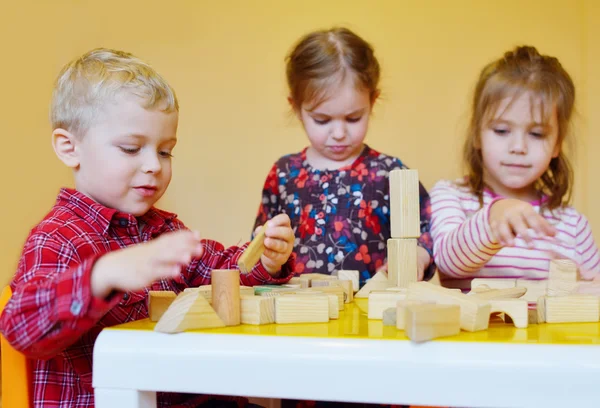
(371, 286)
(226, 295)
(474, 312)
(515, 308)
(401, 310)
(535, 288)
(158, 303)
(189, 311)
(253, 252)
(402, 261)
(541, 309)
(301, 309)
(379, 301)
(304, 283)
(206, 291)
(572, 308)
(334, 290)
(532, 316)
(257, 310)
(260, 290)
(558, 287)
(563, 269)
(405, 212)
(427, 322)
(353, 276)
(348, 287)
(380, 276)
(508, 293)
(334, 311)
(493, 283)
(389, 316)
(321, 282)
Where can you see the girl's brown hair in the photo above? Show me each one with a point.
(520, 71)
(325, 58)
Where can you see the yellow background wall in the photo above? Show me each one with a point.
(225, 59)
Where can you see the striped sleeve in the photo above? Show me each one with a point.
(587, 250)
(462, 245)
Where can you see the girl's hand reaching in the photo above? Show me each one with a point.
(510, 218)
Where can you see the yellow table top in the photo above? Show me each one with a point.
(353, 324)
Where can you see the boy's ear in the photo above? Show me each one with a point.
(65, 147)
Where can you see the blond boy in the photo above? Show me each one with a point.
(92, 260)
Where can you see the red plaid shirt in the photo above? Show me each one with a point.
(52, 316)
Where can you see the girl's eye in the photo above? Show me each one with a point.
(321, 121)
(354, 120)
(537, 135)
(500, 131)
(166, 154)
(129, 150)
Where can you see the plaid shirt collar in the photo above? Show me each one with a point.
(100, 217)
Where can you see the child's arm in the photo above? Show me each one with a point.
(269, 205)
(425, 253)
(276, 265)
(461, 246)
(62, 291)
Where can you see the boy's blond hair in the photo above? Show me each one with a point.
(85, 84)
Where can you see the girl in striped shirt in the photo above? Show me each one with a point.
(510, 215)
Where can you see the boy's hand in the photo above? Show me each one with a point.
(137, 266)
(511, 217)
(423, 259)
(279, 243)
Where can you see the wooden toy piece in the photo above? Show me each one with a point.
(353, 276)
(226, 295)
(158, 303)
(474, 311)
(401, 310)
(515, 308)
(389, 316)
(334, 290)
(541, 309)
(189, 311)
(535, 288)
(405, 213)
(493, 283)
(402, 261)
(348, 287)
(427, 322)
(572, 308)
(334, 310)
(508, 293)
(321, 282)
(253, 252)
(304, 283)
(562, 277)
(257, 310)
(301, 309)
(262, 290)
(379, 301)
(206, 291)
(373, 285)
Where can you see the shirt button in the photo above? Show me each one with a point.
(76, 307)
(126, 296)
(123, 222)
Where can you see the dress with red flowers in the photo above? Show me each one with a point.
(340, 217)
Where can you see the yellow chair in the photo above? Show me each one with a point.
(15, 371)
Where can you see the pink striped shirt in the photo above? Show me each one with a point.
(465, 248)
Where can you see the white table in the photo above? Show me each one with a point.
(518, 370)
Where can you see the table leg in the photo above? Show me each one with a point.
(111, 397)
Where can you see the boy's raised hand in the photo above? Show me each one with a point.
(279, 243)
(137, 266)
(510, 218)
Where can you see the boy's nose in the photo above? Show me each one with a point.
(151, 164)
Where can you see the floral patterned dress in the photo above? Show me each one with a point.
(340, 217)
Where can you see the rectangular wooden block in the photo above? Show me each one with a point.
(563, 269)
(353, 276)
(535, 288)
(389, 316)
(348, 287)
(301, 309)
(257, 310)
(474, 312)
(401, 310)
(379, 301)
(493, 283)
(405, 212)
(304, 283)
(253, 252)
(334, 311)
(572, 308)
(427, 322)
(158, 303)
(206, 291)
(402, 261)
(334, 290)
